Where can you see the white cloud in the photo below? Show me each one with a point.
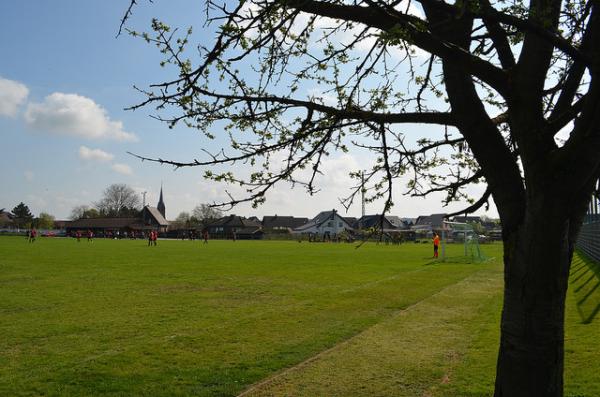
(86, 153)
(123, 169)
(12, 95)
(75, 115)
(29, 175)
(336, 172)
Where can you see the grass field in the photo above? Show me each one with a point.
(262, 318)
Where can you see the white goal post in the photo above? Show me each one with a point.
(461, 226)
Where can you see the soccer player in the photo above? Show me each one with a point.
(436, 244)
(32, 235)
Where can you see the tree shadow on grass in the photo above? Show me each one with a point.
(584, 281)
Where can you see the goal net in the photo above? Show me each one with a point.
(460, 243)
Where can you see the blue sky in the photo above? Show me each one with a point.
(64, 83)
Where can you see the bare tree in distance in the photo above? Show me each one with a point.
(83, 212)
(509, 92)
(118, 200)
(205, 213)
(78, 212)
(182, 221)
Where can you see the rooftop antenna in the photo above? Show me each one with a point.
(144, 199)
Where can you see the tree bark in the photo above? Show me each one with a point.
(537, 258)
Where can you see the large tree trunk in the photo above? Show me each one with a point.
(537, 257)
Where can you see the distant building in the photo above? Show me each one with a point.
(61, 224)
(154, 218)
(279, 223)
(150, 219)
(393, 227)
(244, 229)
(400, 223)
(467, 219)
(352, 221)
(6, 219)
(390, 222)
(325, 223)
(374, 221)
(429, 224)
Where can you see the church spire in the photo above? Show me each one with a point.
(161, 204)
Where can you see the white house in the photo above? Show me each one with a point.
(326, 223)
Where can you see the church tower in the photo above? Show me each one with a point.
(161, 205)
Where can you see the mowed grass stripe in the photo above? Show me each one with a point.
(445, 345)
(117, 317)
(412, 353)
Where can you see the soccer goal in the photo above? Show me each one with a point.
(460, 243)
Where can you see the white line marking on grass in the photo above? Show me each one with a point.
(381, 280)
(289, 307)
(271, 379)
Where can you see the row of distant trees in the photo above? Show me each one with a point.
(120, 200)
(201, 215)
(21, 217)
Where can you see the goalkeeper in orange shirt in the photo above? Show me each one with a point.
(436, 244)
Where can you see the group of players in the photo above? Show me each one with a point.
(89, 234)
(79, 234)
(152, 236)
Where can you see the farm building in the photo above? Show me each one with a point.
(150, 219)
